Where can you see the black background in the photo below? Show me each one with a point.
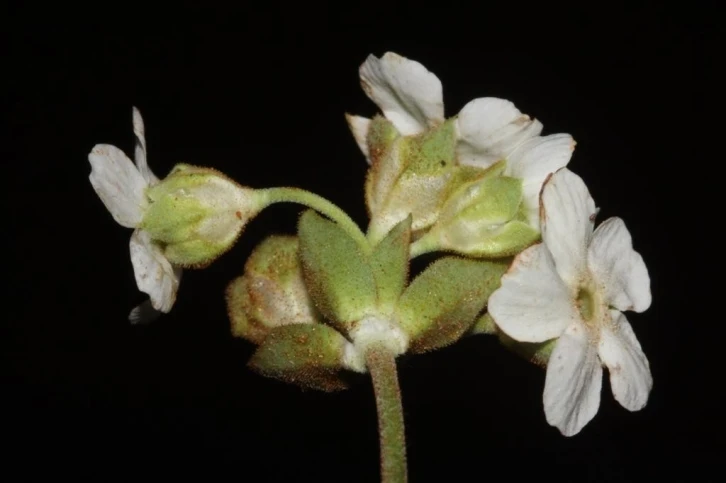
(260, 94)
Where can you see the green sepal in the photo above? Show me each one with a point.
(490, 201)
(415, 175)
(433, 150)
(505, 241)
(239, 308)
(484, 325)
(173, 215)
(389, 261)
(440, 305)
(337, 273)
(483, 219)
(496, 169)
(380, 136)
(170, 218)
(196, 214)
(309, 355)
(536, 352)
(384, 147)
(195, 253)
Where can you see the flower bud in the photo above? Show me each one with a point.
(410, 175)
(269, 305)
(483, 218)
(197, 214)
(271, 293)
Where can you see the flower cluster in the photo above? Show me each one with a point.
(569, 289)
(512, 228)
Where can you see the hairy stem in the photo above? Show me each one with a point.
(320, 204)
(382, 366)
(425, 244)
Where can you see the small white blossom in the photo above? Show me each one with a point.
(573, 287)
(488, 129)
(122, 185)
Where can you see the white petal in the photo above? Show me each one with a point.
(359, 127)
(154, 274)
(532, 304)
(530, 203)
(534, 160)
(140, 148)
(620, 351)
(540, 156)
(619, 270)
(567, 217)
(118, 183)
(409, 95)
(489, 129)
(573, 382)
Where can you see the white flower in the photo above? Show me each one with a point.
(121, 185)
(488, 129)
(573, 287)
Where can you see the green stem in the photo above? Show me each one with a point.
(425, 244)
(320, 204)
(382, 365)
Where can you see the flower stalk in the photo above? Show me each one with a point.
(382, 366)
(422, 246)
(321, 205)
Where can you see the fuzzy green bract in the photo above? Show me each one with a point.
(309, 355)
(440, 305)
(389, 261)
(337, 273)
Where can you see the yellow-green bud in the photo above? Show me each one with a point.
(196, 214)
(271, 293)
(483, 218)
(269, 305)
(410, 175)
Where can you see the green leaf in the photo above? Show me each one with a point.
(336, 272)
(443, 301)
(309, 355)
(389, 261)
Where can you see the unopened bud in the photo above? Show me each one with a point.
(197, 214)
(271, 293)
(410, 175)
(483, 218)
